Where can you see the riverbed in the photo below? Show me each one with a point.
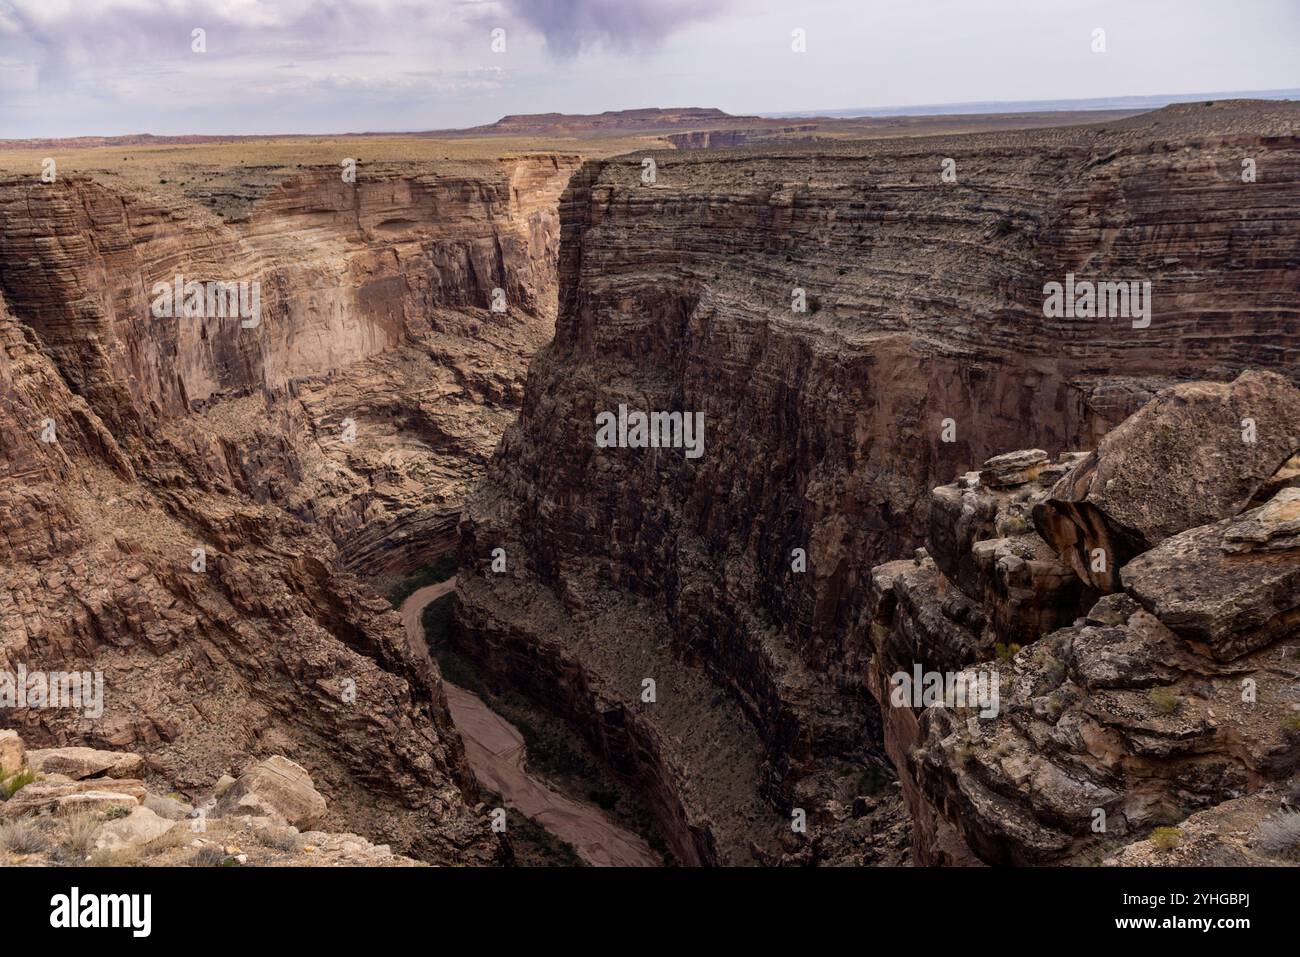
(496, 754)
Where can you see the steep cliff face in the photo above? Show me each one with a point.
(374, 302)
(924, 350)
(189, 502)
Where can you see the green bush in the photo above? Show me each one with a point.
(15, 783)
(1164, 700)
(1166, 838)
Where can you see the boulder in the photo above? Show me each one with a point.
(1013, 468)
(1288, 476)
(275, 788)
(1207, 586)
(139, 827)
(81, 763)
(11, 753)
(167, 807)
(1195, 454)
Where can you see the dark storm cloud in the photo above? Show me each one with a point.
(572, 25)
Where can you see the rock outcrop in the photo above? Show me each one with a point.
(1192, 455)
(1171, 697)
(853, 331)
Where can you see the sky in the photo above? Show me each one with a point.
(112, 67)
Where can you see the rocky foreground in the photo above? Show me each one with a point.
(1157, 691)
(80, 806)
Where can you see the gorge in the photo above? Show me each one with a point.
(766, 588)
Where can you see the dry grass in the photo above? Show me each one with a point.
(209, 855)
(76, 835)
(23, 836)
(280, 839)
(121, 857)
(179, 836)
(1280, 835)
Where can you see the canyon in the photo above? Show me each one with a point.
(200, 524)
(923, 352)
(719, 630)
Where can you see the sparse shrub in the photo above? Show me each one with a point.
(209, 855)
(116, 812)
(1166, 838)
(280, 839)
(1280, 835)
(120, 857)
(77, 835)
(177, 836)
(1005, 652)
(23, 836)
(871, 781)
(1012, 524)
(1164, 700)
(1291, 725)
(15, 783)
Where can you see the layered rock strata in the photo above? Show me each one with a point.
(921, 350)
(187, 501)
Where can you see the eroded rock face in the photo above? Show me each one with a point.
(184, 500)
(825, 429)
(1169, 699)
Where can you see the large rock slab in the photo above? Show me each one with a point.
(276, 788)
(1193, 455)
(1273, 528)
(43, 797)
(1204, 586)
(139, 827)
(81, 763)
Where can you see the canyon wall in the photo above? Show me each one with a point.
(923, 350)
(189, 504)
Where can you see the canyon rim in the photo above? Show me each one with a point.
(565, 482)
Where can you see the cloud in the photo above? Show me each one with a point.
(570, 26)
